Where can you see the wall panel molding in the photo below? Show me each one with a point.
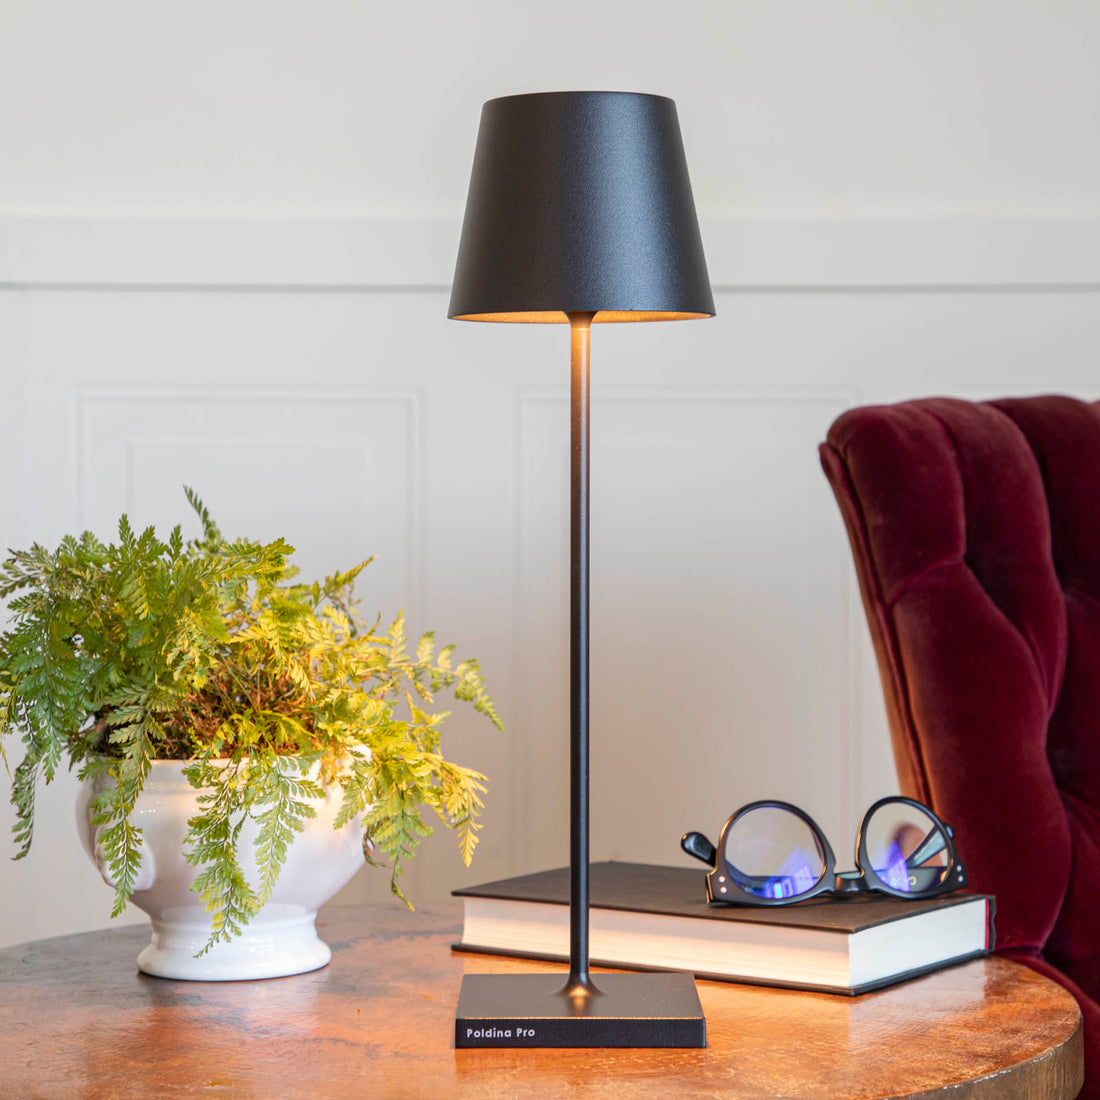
(221, 431)
(681, 566)
(372, 253)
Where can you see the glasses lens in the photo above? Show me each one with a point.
(907, 849)
(772, 853)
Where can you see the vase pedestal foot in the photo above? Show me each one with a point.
(273, 945)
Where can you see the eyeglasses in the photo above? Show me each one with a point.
(772, 853)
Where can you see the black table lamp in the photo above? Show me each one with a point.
(580, 211)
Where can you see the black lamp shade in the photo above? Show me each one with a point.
(580, 202)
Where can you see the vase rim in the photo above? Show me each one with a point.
(168, 774)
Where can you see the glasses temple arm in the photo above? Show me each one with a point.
(697, 845)
(933, 843)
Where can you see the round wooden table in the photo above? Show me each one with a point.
(78, 1019)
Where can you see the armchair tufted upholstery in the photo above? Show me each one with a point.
(975, 529)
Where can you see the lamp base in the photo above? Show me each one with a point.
(530, 1010)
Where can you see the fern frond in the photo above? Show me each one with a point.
(462, 789)
(211, 536)
(23, 790)
(211, 840)
(285, 796)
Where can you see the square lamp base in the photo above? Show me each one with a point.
(529, 1010)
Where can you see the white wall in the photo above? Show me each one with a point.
(226, 234)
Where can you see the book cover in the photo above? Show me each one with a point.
(652, 917)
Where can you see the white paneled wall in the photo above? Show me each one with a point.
(233, 274)
(729, 652)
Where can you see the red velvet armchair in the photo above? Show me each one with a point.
(975, 528)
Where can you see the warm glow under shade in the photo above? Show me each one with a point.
(605, 316)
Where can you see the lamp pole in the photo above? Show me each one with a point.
(579, 984)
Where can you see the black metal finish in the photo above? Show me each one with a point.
(580, 210)
(579, 983)
(530, 1010)
(580, 202)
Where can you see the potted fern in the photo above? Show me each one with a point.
(236, 733)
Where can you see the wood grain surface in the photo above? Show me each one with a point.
(77, 1019)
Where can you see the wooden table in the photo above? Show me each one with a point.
(77, 1019)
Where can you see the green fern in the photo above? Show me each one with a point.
(121, 653)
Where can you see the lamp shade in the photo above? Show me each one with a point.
(580, 202)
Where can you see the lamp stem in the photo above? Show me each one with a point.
(579, 985)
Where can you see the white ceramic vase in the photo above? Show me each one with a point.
(280, 940)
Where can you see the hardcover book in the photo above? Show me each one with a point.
(657, 918)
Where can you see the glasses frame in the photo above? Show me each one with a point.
(722, 887)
